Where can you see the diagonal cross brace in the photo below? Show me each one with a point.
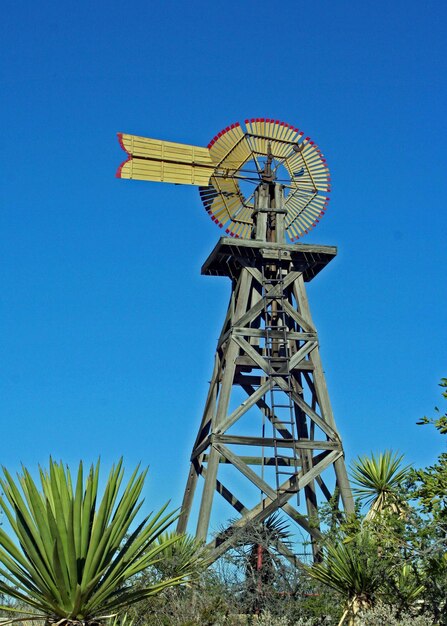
(269, 505)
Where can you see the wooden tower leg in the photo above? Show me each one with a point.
(227, 368)
(196, 462)
(322, 397)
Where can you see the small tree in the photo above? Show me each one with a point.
(428, 487)
(353, 569)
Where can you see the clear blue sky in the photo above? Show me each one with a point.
(100, 278)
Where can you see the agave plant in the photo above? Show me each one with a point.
(75, 554)
(379, 481)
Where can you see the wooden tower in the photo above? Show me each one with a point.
(267, 417)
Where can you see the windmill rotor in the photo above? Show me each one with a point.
(237, 158)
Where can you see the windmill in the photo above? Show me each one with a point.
(267, 423)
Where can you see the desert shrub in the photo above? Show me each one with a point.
(386, 615)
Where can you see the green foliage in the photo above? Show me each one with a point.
(267, 619)
(77, 558)
(76, 553)
(428, 488)
(440, 422)
(387, 568)
(255, 566)
(352, 569)
(206, 602)
(180, 554)
(372, 559)
(429, 485)
(387, 615)
(405, 587)
(121, 620)
(379, 481)
(371, 566)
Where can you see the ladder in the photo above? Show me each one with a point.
(281, 412)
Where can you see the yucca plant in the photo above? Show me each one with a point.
(379, 481)
(406, 586)
(180, 552)
(354, 570)
(75, 554)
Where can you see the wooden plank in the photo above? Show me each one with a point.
(201, 443)
(325, 427)
(289, 487)
(243, 379)
(209, 404)
(301, 354)
(266, 410)
(164, 171)
(258, 308)
(294, 314)
(227, 322)
(308, 258)
(269, 442)
(324, 489)
(232, 352)
(275, 334)
(246, 361)
(237, 462)
(280, 217)
(263, 486)
(244, 407)
(306, 248)
(254, 355)
(265, 365)
(253, 270)
(201, 447)
(250, 315)
(240, 508)
(270, 461)
(230, 498)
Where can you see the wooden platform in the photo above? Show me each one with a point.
(230, 255)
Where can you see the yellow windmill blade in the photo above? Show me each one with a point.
(164, 161)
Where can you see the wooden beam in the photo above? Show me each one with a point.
(201, 447)
(275, 334)
(299, 319)
(270, 461)
(246, 361)
(267, 411)
(268, 442)
(244, 407)
(301, 354)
